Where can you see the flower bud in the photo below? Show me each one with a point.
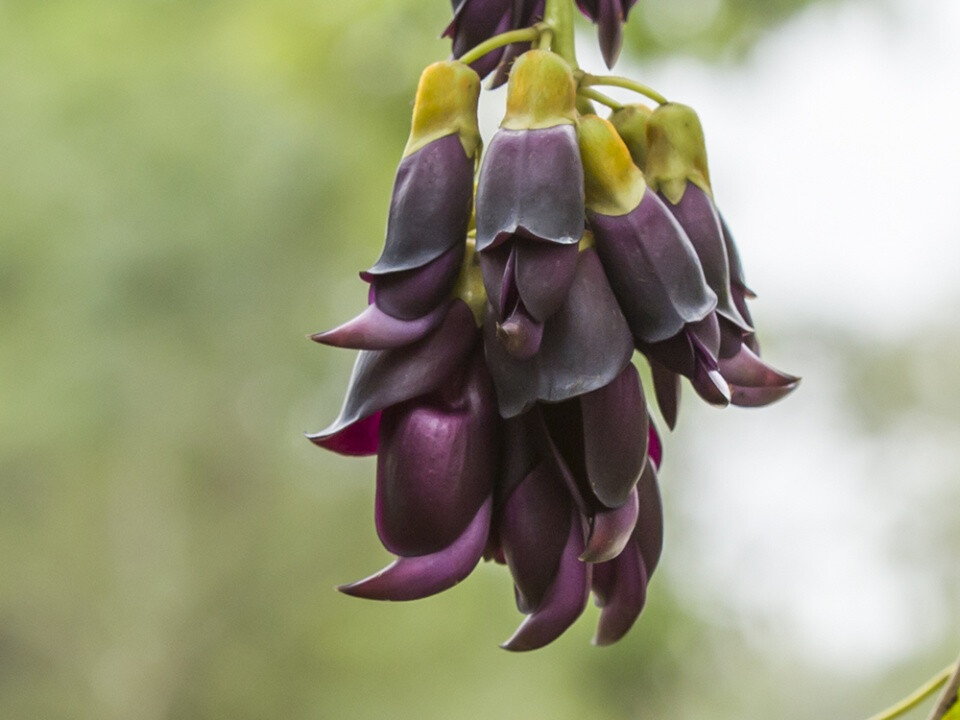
(631, 124)
(541, 92)
(676, 151)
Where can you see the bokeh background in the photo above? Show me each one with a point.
(188, 188)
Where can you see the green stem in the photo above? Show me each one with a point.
(627, 83)
(498, 41)
(600, 98)
(558, 14)
(949, 697)
(910, 702)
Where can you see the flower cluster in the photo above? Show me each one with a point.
(495, 381)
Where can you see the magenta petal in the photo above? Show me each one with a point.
(564, 601)
(534, 526)
(360, 438)
(625, 599)
(655, 446)
(412, 578)
(544, 272)
(373, 329)
(611, 531)
(382, 378)
(615, 437)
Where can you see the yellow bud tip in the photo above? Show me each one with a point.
(613, 185)
(676, 150)
(446, 103)
(541, 92)
(631, 124)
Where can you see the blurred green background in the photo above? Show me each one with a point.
(187, 189)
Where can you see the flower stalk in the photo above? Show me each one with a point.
(524, 35)
(918, 696)
(587, 80)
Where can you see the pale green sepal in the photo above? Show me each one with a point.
(676, 152)
(541, 93)
(469, 286)
(631, 124)
(612, 184)
(446, 104)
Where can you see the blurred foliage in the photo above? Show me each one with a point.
(706, 28)
(188, 189)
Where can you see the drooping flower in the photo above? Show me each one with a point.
(530, 201)
(676, 168)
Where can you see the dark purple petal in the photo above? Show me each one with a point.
(699, 342)
(733, 257)
(698, 217)
(436, 464)
(534, 526)
(563, 602)
(520, 456)
(560, 439)
(412, 578)
(759, 396)
(747, 370)
(475, 21)
(410, 294)
(430, 207)
(623, 602)
(544, 272)
(615, 437)
(653, 270)
(666, 387)
(648, 533)
(382, 378)
(525, 14)
(531, 185)
(585, 345)
(373, 329)
(611, 530)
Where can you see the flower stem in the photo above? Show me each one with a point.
(917, 697)
(558, 15)
(617, 81)
(950, 695)
(498, 41)
(600, 98)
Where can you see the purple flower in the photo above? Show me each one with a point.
(677, 168)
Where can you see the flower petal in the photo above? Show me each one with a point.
(544, 272)
(666, 388)
(410, 294)
(531, 184)
(624, 601)
(436, 464)
(648, 533)
(382, 378)
(534, 526)
(653, 270)
(697, 215)
(563, 602)
(611, 531)
(615, 437)
(430, 208)
(412, 578)
(373, 329)
(585, 345)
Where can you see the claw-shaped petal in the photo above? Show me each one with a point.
(564, 601)
(624, 599)
(412, 578)
(611, 531)
(373, 329)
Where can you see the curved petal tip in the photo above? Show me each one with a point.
(412, 578)
(374, 329)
